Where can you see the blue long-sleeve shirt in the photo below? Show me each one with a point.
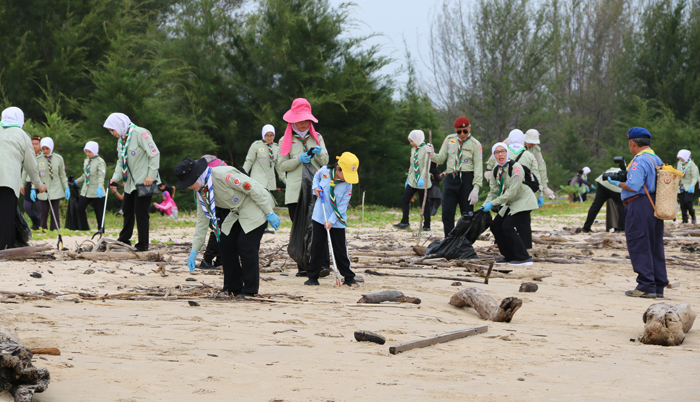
(641, 171)
(342, 191)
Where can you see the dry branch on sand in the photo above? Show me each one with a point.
(666, 324)
(486, 305)
(17, 374)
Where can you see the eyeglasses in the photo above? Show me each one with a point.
(465, 131)
(500, 152)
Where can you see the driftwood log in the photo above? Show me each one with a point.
(666, 324)
(388, 295)
(486, 305)
(23, 253)
(17, 374)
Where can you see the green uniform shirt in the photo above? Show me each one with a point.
(529, 161)
(248, 200)
(292, 167)
(690, 174)
(257, 164)
(471, 157)
(412, 181)
(583, 189)
(58, 185)
(98, 169)
(143, 159)
(515, 197)
(17, 154)
(607, 184)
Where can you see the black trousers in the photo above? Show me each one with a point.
(292, 210)
(239, 251)
(509, 242)
(602, 195)
(213, 249)
(98, 205)
(525, 230)
(408, 193)
(45, 212)
(135, 206)
(8, 208)
(455, 191)
(320, 253)
(686, 200)
(30, 205)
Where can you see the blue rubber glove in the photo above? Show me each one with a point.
(691, 189)
(487, 207)
(273, 220)
(540, 202)
(317, 150)
(32, 195)
(68, 194)
(421, 182)
(593, 187)
(192, 260)
(614, 182)
(304, 158)
(588, 189)
(99, 192)
(404, 186)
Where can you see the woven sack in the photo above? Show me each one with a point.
(667, 185)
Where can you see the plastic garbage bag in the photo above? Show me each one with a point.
(299, 248)
(458, 244)
(72, 219)
(22, 231)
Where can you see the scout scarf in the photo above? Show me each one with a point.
(48, 162)
(685, 166)
(642, 152)
(87, 170)
(205, 197)
(302, 139)
(458, 161)
(333, 203)
(4, 125)
(500, 178)
(124, 150)
(272, 153)
(416, 164)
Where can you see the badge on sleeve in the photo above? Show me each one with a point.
(228, 177)
(145, 136)
(235, 199)
(246, 186)
(236, 182)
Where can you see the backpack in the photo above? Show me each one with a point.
(529, 179)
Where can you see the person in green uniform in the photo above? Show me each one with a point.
(138, 161)
(250, 208)
(263, 160)
(462, 153)
(16, 154)
(52, 171)
(29, 205)
(416, 181)
(532, 143)
(688, 183)
(93, 191)
(514, 200)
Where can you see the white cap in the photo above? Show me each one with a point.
(532, 136)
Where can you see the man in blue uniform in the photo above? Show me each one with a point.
(644, 232)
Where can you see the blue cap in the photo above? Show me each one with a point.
(636, 132)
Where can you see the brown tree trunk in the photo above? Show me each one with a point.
(666, 324)
(486, 305)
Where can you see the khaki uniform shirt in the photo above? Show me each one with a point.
(607, 184)
(541, 164)
(690, 176)
(143, 159)
(292, 167)
(56, 186)
(98, 169)
(471, 157)
(257, 164)
(248, 200)
(422, 169)
(516, 196)
(18, 159)
(528, 160)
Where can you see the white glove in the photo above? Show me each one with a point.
(549, 193)
(474, 196)
(430, 150)
(487, 175)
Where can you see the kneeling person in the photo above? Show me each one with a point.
(250, 208)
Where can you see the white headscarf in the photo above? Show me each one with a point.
(418, 136)
(301, 133)
(586, 170)
(92, 146)
(47, 142)
(266, 129)
(684, 155)
(516, 141)
(13, 115)
(493, 150)
(118, 122)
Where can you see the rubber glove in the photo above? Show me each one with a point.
(99, 192)
(430, 150)
(691, 189)
(549, 193)
(474, 196)
(317, 150)
(273, 220)
(304, 158)
(540, 202)
(68, 194)
(593, 187)
(405, 184)
(588, 189)
(614, 182)
(487, 207)
(32, 195)
(487, 175)
(192, 260)
(421, 182)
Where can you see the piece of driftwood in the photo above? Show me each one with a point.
(119, 255)
(17, 374)
(23, 253)
(449, 278)
(666, 324)
(528, 287)
(388, 295)
(46, 351)
(486, 305)
(368, 336)
(442, 338)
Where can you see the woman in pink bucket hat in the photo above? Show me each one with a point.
(299, 138)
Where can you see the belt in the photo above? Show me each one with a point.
(628, 200)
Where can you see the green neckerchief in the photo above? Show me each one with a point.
(87, 170)
(333, 203)
(501, 179)
(124, 143)
(5, 125)
(416, 162)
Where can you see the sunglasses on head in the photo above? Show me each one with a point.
(465, 131)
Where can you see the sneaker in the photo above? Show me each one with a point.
(502, 261)
(659, 296)
(243, 296)
(324, 272)
(586, 230)
(206, 265)
(311, 282)
(302, 273)
(350, 282)
(218, 263)
(426, 228)
(639, 293)
(269, 231)
(521, 263)
(401, 225)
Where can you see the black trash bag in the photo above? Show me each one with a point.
(299, 248)
(72, 218)
(458, 244)
(22, 231)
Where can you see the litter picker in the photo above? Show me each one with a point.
(425, 183)
(101, 230)
(59, 245)
(330, 244)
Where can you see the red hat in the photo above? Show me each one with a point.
(462, 122)
(36, 138)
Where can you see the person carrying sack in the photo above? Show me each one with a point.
(93, 191)
(688, 182)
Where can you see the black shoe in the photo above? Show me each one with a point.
(242, 296)
(218, 263)
(401, 225)
(502, 261)
(269, 231)
(586, 230)
(523, 262)
(426, 228)
(206, 265)
(302, 273)
(311, 282)
(350, 282)
(324, 272)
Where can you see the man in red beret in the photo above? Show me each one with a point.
(462, 152)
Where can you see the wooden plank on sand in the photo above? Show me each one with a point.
(442, 338)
